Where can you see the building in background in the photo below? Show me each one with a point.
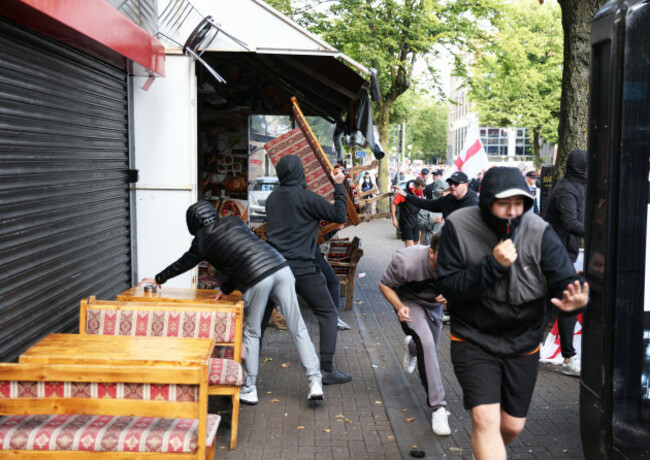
(505, 146)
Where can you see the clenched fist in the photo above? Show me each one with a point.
(505, 253)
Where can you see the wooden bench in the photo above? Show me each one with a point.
(105, 412)
(221, 321)
(170, 294)
(343, 256)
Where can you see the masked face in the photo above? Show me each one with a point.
(508, 208)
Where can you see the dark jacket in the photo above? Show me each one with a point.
(445, 204)
(500, 309)
(566, 206)
(229, 245)
(408, 213)
(293, 214)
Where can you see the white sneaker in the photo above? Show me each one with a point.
(572, 368)
(440, 422)
(315, 391)
(248, 395)
(408, 360)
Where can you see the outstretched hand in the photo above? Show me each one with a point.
(337, 176)
(573, 297)
(148, 281)
(404, 314)
(399, 190)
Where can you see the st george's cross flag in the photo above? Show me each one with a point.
(472, 159)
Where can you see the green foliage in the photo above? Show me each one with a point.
(517, 76)
(427, 120)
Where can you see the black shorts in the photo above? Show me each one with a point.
(489, 379)
(410, 234)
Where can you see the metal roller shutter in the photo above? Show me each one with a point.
(64, 191)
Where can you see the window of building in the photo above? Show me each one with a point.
(495, 140)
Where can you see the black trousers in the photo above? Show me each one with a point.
(333, 284)
(566, 326)
(312, 287)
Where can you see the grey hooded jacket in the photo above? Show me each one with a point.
(500, 309)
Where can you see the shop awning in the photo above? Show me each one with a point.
(93, 27)
(299, 63)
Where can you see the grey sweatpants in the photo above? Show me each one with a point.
(425, 327)
(280, 288)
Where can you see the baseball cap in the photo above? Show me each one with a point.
(424, 171)
(531, 174)
(458, 177)
(514, 192)
(438, 172)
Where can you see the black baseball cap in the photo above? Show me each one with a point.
(531, 174)
(458, 177)
(424, 171)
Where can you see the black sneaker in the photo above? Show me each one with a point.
(335, 377)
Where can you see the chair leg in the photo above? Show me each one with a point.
(209, 452)
(350, 296)
(234, 421)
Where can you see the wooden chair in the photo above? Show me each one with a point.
(344, 255)
(105, 412)
(222, 321)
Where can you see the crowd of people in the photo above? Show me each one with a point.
(489, 259)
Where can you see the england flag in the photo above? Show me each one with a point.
(472, 159)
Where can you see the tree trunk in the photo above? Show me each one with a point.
(537, 161)
(574, 106)
(383, 182)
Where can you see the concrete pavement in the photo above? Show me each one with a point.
(382, 413)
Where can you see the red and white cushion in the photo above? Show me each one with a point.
(212, 325)
(139, 391)
(103, 433)
(225, 372)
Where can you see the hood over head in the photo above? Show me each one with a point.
(199, 215)
(502, 182)
(439, 186)
(290, 171)
(576, 165)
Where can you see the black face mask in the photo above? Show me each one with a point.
(503, 228)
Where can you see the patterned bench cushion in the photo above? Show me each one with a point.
(140, 391)
(103, 433)
(225, 372)
(211, 325)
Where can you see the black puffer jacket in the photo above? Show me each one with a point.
(566, 206)
(229, 245)
(293, 214)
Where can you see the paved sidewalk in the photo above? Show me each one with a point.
(382, 413)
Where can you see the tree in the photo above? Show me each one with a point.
(427, 120)
(391, 35)
(573, 128)
(517, 77)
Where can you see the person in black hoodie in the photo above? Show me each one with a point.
(408, 213)
(496, 263)
(459, 197)
(566, 214)
(246, 263)
(293, 216)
